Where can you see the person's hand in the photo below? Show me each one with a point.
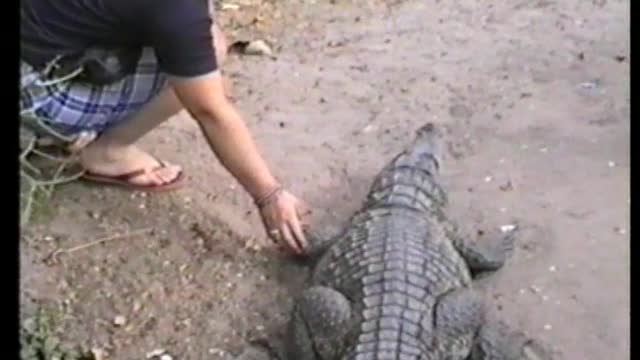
(281, 213)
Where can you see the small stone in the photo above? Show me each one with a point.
(552, 268)
(166, 357)
(522, 291)
(200, 241)
(508, 186)
(155, 353)
(228, 6)
(589, 88)
(621, 231)
(119, 320)
(98, 354)
(143, 194)
(534, 289)
(488, 179)
(547, 327)
(142, 206)
(48, 238)
(545, 298)
(501, 161)
(258, 47)
(216, 351)
(369, 128)
(507, 228)
(544, 149)
(503, 210)
(260, 328)
(137, 306)
(620, 58)
(611, 164)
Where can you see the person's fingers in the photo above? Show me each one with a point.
(296, 229)
(286, 235)
(303, 209)
(275, 235)
(271, 223)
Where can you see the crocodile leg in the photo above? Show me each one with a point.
(497, 341)
(458, 316)
(319, 325)
(319, 243)
(254, 353)
(485, 254)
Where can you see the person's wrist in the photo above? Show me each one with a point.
(268, 197)
(264, 188)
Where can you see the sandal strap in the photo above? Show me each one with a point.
(133, 174)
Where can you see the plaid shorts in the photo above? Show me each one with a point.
(72, 107)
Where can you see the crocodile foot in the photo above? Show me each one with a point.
(254, 353)
(497, 341)
(458, 315)
(487, 254)
(319, 324)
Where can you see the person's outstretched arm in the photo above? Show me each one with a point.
(230, 139)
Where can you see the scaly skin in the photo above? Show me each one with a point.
(397, 284)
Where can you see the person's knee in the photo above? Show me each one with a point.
(220, 45)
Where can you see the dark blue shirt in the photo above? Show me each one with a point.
(178, 30)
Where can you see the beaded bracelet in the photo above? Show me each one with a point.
(265, 200)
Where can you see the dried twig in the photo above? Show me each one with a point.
(54, 256)
(32, 178)
(33, 127)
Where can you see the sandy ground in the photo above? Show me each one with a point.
(535, 99)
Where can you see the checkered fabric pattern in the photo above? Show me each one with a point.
(72, 107)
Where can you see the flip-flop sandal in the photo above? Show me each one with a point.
(124, 180)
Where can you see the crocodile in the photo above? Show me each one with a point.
(397, 283)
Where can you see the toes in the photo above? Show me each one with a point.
(169, 173)
(159, 176)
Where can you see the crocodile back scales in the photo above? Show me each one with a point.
(394, 260)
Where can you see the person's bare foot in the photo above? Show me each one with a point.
(109, 161)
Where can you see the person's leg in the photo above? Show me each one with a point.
(114, 152)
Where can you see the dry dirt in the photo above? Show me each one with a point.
(535, 99)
